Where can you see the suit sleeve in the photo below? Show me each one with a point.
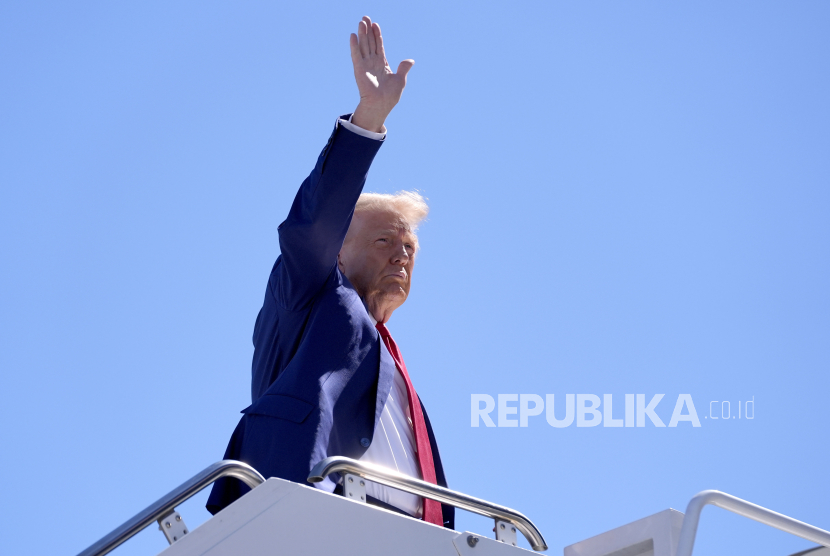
(313, 233)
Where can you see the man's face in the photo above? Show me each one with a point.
(377, 257)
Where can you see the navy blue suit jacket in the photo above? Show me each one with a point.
(321, 374)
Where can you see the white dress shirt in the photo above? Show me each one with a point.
(393, 446)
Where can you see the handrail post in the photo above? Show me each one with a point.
(418, 487)
(165, 504)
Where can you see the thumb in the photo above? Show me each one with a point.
(405, 66)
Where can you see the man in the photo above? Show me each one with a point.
(327, 377)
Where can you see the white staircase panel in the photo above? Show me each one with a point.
(655, 535)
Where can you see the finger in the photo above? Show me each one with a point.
(361, 39)
(372, 40)
(354, 48)
(404, 67)
(379, 39)
(366, 26)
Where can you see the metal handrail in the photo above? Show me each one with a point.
(399, 481)
(165, 504)
(746, 509)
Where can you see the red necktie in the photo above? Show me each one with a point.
(432, 509)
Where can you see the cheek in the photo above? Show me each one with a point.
(352, 265)
(378, 260)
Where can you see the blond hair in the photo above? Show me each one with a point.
(411, 205)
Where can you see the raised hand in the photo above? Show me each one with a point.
(380, 89)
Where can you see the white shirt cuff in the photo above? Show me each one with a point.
(363, 132)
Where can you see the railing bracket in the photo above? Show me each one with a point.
(505, 532)
(354, 488)
(172, 525)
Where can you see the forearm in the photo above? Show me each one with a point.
(313, 233)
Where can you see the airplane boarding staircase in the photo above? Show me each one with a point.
(282, 517)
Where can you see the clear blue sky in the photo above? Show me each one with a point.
(627, 197)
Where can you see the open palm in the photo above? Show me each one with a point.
(380, 88)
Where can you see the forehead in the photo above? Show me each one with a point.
(383, 221)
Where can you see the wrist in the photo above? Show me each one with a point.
(370, 118)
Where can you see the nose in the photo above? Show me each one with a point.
(400, 256)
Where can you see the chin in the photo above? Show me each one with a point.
(398, 293)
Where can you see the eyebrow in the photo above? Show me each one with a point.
(409, 238)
